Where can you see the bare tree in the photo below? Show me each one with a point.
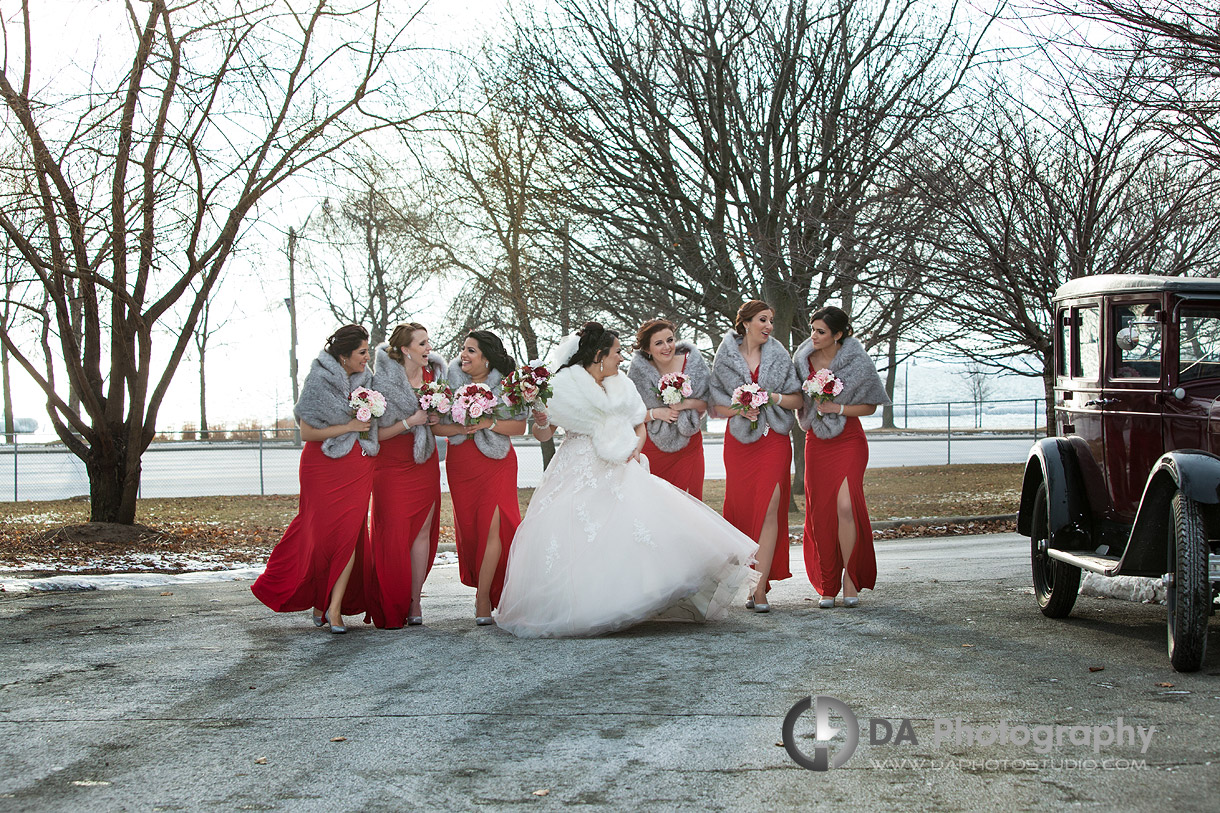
(367, 261)
(134, 189)
(1036, 192)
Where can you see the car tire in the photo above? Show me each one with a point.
(1188, 592)
(1056, 584)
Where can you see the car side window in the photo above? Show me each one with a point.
(1198, 344)
(1136, 341)
(1063, 363)
(1088, 343)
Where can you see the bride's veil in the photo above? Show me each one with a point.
(563, 351)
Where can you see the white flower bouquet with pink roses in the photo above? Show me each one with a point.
(822, 386)
(747, 397)
(366, 404)
(673, 388)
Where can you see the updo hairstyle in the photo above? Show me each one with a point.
(493, 350)
(345, 341)
(747, 312)
(401, 337)
(595, 344)
(643, 336)
(835, 318)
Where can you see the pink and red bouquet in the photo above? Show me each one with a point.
(472, 403)
(366, 404)
(435, 397)
(822, 386)
(527, 386)
(747, 397)
(673, 388)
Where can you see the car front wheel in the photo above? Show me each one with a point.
(1056, 583)
(1187, 593)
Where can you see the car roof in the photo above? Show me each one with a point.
(1135, 283)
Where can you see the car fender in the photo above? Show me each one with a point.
(1053, 461)
(1193, 472)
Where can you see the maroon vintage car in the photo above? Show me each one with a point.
(1131, 484)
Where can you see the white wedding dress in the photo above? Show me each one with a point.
(605, 545)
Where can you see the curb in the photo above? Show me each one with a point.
(888, 524)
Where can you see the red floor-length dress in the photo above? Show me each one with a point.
(478, 486)
(684, 468)
(406, 495)
(752, 472)
(827, 464)
(331, 523)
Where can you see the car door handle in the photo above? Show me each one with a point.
(1101, 402)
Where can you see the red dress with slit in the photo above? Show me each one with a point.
(406, 495)
(752, 473)
(478, 486)
(827, 464)
(331, 524)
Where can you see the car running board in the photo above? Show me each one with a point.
(1087, 560)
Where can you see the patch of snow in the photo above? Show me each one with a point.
(1126, 588)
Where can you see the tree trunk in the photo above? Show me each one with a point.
(203, 400)
(798, 461)
(9, 429)
(113, 491)
(891, 380)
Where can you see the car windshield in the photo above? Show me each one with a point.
(1198, 344)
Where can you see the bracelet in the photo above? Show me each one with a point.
(841, 408)
(650, 415)
(406, 425)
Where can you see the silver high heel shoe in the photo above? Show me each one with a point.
(826, 602)
(337, 629)
(749, 604)
(414, 620)
(484, 620)
(851, 601)
(319, 620)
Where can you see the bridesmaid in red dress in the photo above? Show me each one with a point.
(482, 470)
(407, 483)
(674, 444)
(758, 459)
(313, 565)
(837, 529)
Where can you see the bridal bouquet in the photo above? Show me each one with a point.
(822, 386)
(529, 385)
(673, 388)
(435, 397)
(747, 397)
(471, 403)
(366, 404)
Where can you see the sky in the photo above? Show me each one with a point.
(248, 359)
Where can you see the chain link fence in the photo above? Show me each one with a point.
(264, 461)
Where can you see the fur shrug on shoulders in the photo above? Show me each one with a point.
(672, 437)
(491, 444)
(609, 416)
(775, 374)
(390, 379)
(324, 402)
(861, 385)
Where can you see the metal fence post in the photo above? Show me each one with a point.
(949, 434)
(14, 468)
(1036, 400)
(262, 489)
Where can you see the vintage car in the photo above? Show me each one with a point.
(1129, 483)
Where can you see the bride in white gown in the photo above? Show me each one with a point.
(605, 544)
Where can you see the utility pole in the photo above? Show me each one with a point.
(291, 302)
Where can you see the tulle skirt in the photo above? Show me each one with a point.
(605, 545)
(405, 495)
(827, 464)
(330, 525)
(752, 473)
(683, 468)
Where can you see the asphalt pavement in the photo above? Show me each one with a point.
(196, 697)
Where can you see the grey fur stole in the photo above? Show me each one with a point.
(390, 379)
(491, 444)
(323, 403)
(861, 385)
(775, 374)
(672, 437)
